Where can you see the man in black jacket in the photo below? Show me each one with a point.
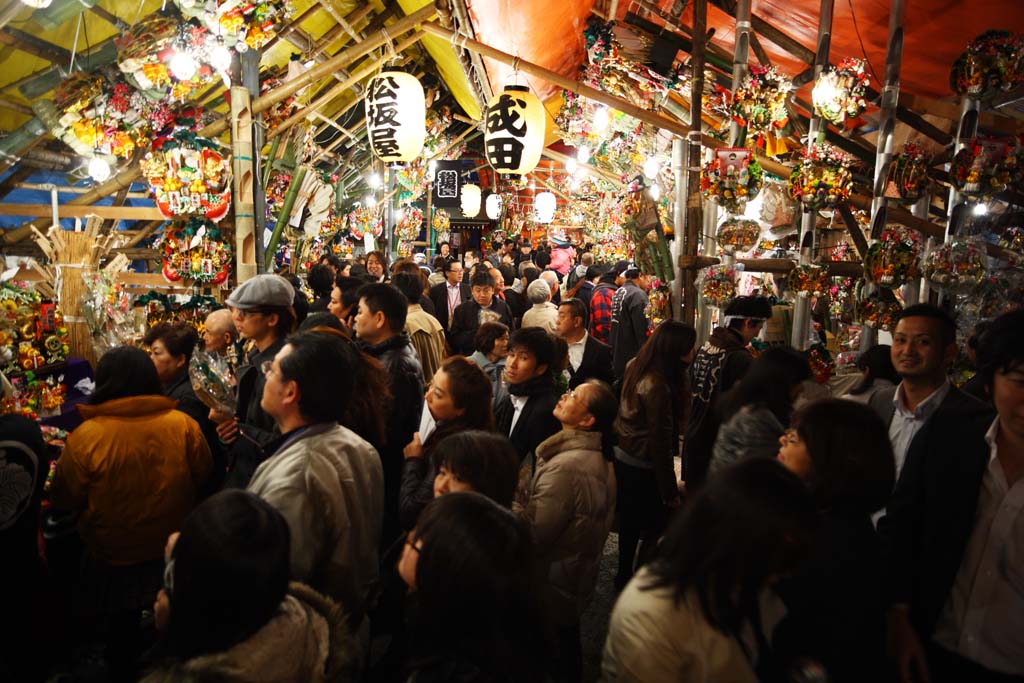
(720, 363)
(588, 358)
(261, 309)
(524, 414)
(629, 320)
(484, 307)
(448, 295)
(380, 325)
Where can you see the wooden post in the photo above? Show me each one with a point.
(694, 214)
(242, 151)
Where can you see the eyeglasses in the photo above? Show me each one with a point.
(246, 313)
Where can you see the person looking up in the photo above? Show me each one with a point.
(720, 363)
(261, 309)
(588, 358)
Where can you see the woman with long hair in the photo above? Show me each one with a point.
(652, 415)
(701, 611)
(459, 399)
(834, 601)
(473, 595)
(757, 410)
(570, 507)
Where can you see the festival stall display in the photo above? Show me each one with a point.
(731, 178)
(822, 179)
(808, 279)
(893, 259)
(977, 170)
(189, 176)
(759, 106)
(194, 250)
(839, 93)
(992, 62)
(738, 234)
(718, 284)
(909, 173)
(238, 25)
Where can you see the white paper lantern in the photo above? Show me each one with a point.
(493, 206)
(544, 204)
(37, 4)
(514, 130)
(396, 114)
(470, 200)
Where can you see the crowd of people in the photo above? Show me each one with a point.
(425, 465)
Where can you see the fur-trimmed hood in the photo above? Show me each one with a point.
(307, 641)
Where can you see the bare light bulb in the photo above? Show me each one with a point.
(220, 58)
(980, 209)
(600, 119)
(374, 180)
(655, 192)
(370, 201)
(583, 154)
(652, 168)
(571, 165)
(99, 169)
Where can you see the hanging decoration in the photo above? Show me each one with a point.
(470, 200)
(718, 284)
(643, 227)
(958, 267)
(1012, 239)
(238, 25)
(731, 179)
(395, 114)
(514, 130)
(738, 234)
(842, 305)
(493, 206)
(909, 172)
(893, 260)
(407, 228)
(759, 105)
(878, 310)
(365, 220)
(187, 175)
(839, 93)
(808, 279)
(991, 63)
(976, 170)
(164, 59)
(822, 179)
(194, 250)
(441, 223)
(659, 304)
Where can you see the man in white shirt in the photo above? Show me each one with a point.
(588, 358)
(957, 532)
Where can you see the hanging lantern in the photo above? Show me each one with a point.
(396, 113)
(544, 204)
(493, 205)
(514, 131)
(470, 200)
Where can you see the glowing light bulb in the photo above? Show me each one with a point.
(583, 154)
(374, 180)
(652, 168)
(220, 58)
(980, 209)
(655, 192)
(183, 65)
(99, 169)
(600, 120)
(370, 200)
(571, 165)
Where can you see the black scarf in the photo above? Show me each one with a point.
(532, 387)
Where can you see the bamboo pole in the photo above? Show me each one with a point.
(245, 211)
(130, 213)
(692, 161)
(561, 81)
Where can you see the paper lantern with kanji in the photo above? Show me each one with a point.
(514, 130)
(470, 200)
(396, 115)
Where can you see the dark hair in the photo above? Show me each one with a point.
(475, 253)
(579, 309)
(752, 522)
(448, 265)
(947, 326)
(178, 338)
(878, 362)
(660, 355)
(286, 318)
(769, 383)
(487, 334)
(358, 270)
(323, 367)
(410, 285)
(508, 274)
(531, 273)
(470, 389)
(604, 407)
(481, 278)
(349, 287)
(977, 333)
(542, 259)
(125, 371)
(443, 243)
(230, 573)
(320, 279)
(743, 307)
(475, 589)
(317, 320)
(852, 463)
(485, 460)
(381, 258)
(332, 260)
(1001, 348)
(383, 298)
(536, 341)
(594, 271)
(631, 273)
(440, 264)
(608, 277)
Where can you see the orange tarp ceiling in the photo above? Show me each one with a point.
(549, 33)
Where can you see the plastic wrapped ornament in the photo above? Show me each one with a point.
(959, 267)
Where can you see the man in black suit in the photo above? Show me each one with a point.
(955, 518)
(483, 307)
(588, 358)
(524, 414)
(448, 295)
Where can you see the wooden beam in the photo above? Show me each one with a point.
(950, 111)
(561, 81)
(606, 175)
(779, 266)
(37, 47)
(853, 229)
(131, 213)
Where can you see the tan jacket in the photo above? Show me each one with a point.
(652, 639)
(543, 315)
(330, 488)
(132, 470)
(427, 337)
(570, 509)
